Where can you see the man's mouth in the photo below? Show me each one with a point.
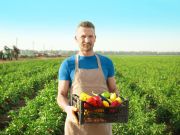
(88, 44)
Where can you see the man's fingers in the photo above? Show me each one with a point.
(74, 109)
(75, 119)
(71, 113)
(70, 108)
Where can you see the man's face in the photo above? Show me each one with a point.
(86, 38)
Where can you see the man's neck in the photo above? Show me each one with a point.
(91, 53)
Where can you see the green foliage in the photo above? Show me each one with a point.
(151, 83)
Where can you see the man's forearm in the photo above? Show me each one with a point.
(62, 101)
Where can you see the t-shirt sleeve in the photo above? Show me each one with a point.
(110, 69)
(64, 71)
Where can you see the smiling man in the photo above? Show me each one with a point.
(84, 72)
(85, 37)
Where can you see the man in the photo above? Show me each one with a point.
(85, 72)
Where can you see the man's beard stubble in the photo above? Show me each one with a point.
(87, 47)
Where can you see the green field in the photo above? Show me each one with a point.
(28, 93)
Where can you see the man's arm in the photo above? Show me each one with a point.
(111, 83)
(62, 100)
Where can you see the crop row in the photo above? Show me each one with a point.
(150, 83)
(26, 87)
(40, 115)
(155, 82)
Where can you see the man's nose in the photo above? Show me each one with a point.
(87, 39)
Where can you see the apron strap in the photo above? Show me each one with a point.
(76, 62)
(99, 62)
(76, 70)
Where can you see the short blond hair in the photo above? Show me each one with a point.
(86, 24)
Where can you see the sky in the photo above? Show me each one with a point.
(121, 25)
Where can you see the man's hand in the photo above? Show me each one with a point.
(70, 110)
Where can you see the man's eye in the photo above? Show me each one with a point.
(90, 36)
(83, 36)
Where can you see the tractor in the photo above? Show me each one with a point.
(9, 54)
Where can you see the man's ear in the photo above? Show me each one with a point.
(75, 38)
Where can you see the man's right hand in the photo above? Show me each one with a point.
(70, 110)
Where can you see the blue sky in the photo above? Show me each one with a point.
(124, 25)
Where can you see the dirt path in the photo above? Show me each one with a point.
(8, 61)
(26, 59)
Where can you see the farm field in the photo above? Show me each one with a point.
(28, 91)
